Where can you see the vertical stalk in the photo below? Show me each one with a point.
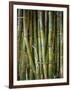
(46, 40)
(50, 46)
(35, 47)
(54, 43)
(20, 43)
(30, 39)
(39, 45)
(61, 44)
(58, 45)
(42, 46)
(30, 30)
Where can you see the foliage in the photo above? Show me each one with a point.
(39, 44)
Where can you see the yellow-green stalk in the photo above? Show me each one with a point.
(42, 45)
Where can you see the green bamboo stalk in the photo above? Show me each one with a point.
(58, 45)
(35, 47)
(39, 45)
(43, 46)
(30, 39)
(50, 46)
(25, 59)
(46, 40)
(20, 43)
(46, 29)
(61, 44)
(18, 40)
(30, 28)
(54, 43)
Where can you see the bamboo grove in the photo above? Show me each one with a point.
(39, 44)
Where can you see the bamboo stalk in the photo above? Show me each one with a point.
(39, 45)
(54, 43)
(30, 40)
(20, 44)
(30, 28)
(43, 46)
(35, 47)
(50, 46)
(58, 45)
(61, 44)
(46, 40)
